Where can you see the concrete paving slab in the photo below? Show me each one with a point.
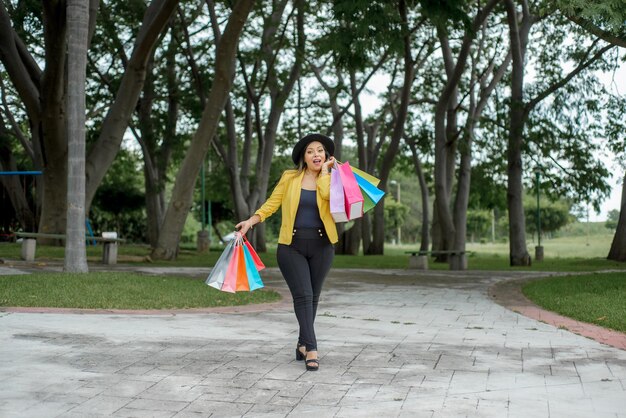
(392, 343)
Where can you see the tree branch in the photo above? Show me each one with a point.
(551, 89)
(617, 40)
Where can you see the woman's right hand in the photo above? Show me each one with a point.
(244, 226)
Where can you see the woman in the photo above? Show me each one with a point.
(307, 233)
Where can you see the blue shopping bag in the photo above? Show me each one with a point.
(373, 192)
(254, 278)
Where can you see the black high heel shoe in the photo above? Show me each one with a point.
(299, 354)
(312, 364)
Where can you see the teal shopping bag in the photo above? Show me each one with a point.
(254, 279)
(369, 190)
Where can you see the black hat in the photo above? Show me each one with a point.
(299, 148)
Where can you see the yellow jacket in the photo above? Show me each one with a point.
(287, 194)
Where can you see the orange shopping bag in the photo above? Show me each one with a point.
(242, 274)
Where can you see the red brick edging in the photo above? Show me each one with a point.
(508, 293)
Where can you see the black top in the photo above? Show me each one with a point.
(308, 215)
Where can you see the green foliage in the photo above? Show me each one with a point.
(360, 30)
(615, 128)
(119, 203)
(445, 12)
(562, 130)
(478, 223)
(607, 14)
(395, 214)
(553, 215)
(612, 220)
(488, 187)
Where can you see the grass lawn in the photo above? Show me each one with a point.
(482, 257)
(119, 291)
(132, 291)
(598, 298)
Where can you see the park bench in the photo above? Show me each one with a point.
(419, 259)
(29, 244)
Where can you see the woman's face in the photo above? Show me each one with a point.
(314, 156)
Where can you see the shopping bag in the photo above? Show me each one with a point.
(242, 273)
(366, 176)
(254, 279)
(368, 204)
(369, 190)
(218, 272)
(255, 257)
(337, 200)
(351, 191)
(230, 280)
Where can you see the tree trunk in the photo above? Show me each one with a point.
(154, 165)
(445, 131)
(443, 237)
(618, 246)
(53, 122)
(75, 260)
(419, 172)
(15, 191)
(474, 114)
(157, 150)
(518, 252)
(182, 194)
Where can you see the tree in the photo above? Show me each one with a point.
(269, 80)
(395, 215)
(552, 216)
(446, 132)
(605, 19)
(618, 246)
(75, 260)
(617, 143)
(612, 219)
(42, 91)
(114, 125)
(520, 108)
(478, 224)
(18, 195)
(182, 194)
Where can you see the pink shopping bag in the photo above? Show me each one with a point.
(230, 281)
(337, 200)
(352, 193)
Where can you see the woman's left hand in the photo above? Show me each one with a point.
(329, 163)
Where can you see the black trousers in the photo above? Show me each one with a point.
(304, 265)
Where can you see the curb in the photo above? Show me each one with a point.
(509, 295)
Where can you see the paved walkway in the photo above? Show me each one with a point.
(393, 344)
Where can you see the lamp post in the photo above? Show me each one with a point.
(202, 237)
(399, 231)
(538, 248)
